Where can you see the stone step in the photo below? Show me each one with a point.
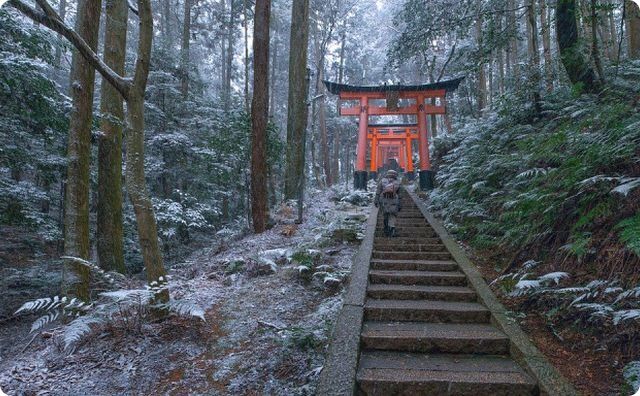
(428, 278)
(414, 265)
(410, 255)
(398, 241)
(408, 227)
(400, 373)
(433, 247)
(434, 338)
(404, 233)
(425, 311)
(421, 292)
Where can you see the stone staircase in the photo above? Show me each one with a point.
(424, 333)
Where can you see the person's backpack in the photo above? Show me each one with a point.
(390, 190)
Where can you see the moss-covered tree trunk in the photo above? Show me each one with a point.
(76, 224)
(297, 113)
(259, 116)
(578, 69)
(109, 227)
(136, 183)
(633, 27)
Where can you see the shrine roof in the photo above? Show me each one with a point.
(448, 85)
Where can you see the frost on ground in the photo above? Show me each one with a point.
(270, 301)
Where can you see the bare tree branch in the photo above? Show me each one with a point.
(444, 67)
(133, 7)
(52, 20)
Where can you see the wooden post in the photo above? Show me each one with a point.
(426, 182)
(409, 154)
(360, 176)
(373, 170)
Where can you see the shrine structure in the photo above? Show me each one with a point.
(387, 145)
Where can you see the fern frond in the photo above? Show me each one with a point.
(107, 276)
(132, 295)
(79, 328)
(625, 315)
(44, 320)
(630, 233)
(51, 303)
(184, 308)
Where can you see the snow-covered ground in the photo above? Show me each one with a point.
(270, 302)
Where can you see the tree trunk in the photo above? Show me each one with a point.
(185, 55)
(595, 51)
(62, 11)
(513, 43)
(534, 54)
(297, 113)
(633, 27)
(230, 53)
(246, 56)
(578, 69)
(481, 75)
(343, 40)
(546, 43)
(322, 124)
(274, 64)
(136, 183)
(614, 36)
(76, 235)
(259, 116)
(109, 218)
(166, 24)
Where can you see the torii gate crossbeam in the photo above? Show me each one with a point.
(392, 94)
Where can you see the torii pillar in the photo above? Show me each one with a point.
(360, 177)
(426, 174)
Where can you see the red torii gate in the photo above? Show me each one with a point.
(392, 94)
(391, 142)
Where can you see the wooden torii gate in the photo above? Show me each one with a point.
(415, 95)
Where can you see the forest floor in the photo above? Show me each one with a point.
(594, 371)
(266, 330)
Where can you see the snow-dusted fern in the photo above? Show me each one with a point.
(54, 308)
(127, 309)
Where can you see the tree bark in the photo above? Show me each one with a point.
(578, 69)
(595, 51)
(185, 53)
(109, 218)
(633, 28)
(230, 53)
(62, 11)
(259, 116)
(247, 100)
(136, 183)
(274, 67)
(76, 235)
(322, 125)
(166, 24)
(297, 113)
(534, 53)
(546, 44)
(481, 75)
(513, 43)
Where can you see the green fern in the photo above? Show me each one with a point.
(629, 233)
